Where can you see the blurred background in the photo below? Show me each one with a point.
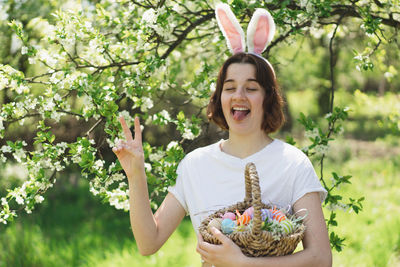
(74, 228)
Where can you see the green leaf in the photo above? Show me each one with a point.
(336, 241)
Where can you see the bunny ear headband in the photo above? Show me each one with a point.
(260, 31)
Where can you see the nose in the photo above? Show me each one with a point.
(240, 93)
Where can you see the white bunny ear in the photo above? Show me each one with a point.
(230, 28)
(260, 31)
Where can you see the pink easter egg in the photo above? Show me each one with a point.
(229, 215)
(250, 212)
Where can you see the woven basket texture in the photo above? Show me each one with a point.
(255, 242)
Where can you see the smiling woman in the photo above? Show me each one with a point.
(242, 98)
(248, 104)
(255, 75)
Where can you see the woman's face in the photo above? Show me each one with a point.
(242, 99)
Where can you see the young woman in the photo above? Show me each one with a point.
(247, 103)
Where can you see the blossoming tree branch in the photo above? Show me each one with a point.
(95, 63)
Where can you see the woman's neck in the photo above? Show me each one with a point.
(244, 146)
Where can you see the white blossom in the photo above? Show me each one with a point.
(55, 116)
(16, 43)
(49, 105)
(39, 199)
(44, 56)
(19, 154)
(303, 3)
(178, 8)
(163, 86)
(99, 164)
(147, 167)
(321, 149)
(24, 50)
(28, 210)
(165, 114)
(157, 156)
(172, 144)
(119, 198)
(147, 104)
(188, 134)
(19, 199)
(117, 177)
(150, 16)
(6, 149)
(111, 167)
(57, 165)
(31, 60)
(212, 87)
(3, 11)
(93, 191)
(312, 133)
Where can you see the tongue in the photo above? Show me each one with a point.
(239, 114)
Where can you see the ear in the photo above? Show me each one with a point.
(230, 28)
(260, 31)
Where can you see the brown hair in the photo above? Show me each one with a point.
(273, 102)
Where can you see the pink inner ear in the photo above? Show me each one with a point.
(232, 34)
(261, 35)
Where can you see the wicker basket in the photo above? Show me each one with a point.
(255, 242)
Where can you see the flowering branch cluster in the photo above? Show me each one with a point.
(319, 148)
(93, 66)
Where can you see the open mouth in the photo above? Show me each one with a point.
(239, 113)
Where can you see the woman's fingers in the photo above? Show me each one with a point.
(138, 130)
(128, 133)
(125, 129)
(118, 146)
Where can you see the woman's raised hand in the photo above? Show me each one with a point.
(130, 152)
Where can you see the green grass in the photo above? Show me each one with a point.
(72, 228)
(179, 250)
(372, 236)
(370, 117)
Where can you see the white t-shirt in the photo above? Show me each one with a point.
(210, 179)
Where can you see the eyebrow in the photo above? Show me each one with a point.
(249, 80)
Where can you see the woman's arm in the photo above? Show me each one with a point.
(150, 231)
(317, 251)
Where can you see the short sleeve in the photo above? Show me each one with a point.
(306, 181)
(178, 189)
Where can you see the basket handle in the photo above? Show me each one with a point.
(253, 194)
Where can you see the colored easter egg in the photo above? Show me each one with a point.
(287, 226)
(229, 215)
(250, 212)
(216, 222)
(227, 226)
(266, 214)
(278, 215)
(243, 219)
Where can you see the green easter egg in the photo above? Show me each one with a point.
(287, 226)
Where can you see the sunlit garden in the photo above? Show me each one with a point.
(69, 70)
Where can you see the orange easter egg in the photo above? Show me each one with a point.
(278, 215)
(244, 219)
